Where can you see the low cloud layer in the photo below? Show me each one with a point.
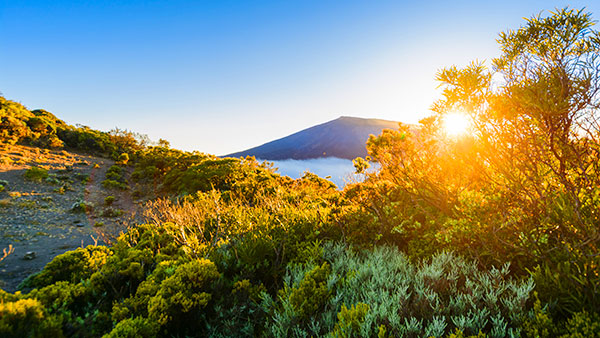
(340, 170)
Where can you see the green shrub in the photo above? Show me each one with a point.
(112, 212)
(36, 174)
(3, 183)
(52, 179)
(350, 320)
(570, 286)
(583, 324)
(112, 184)
(27, 317)
(108, 200)
(82, 177)
(432, 298)
(134, 328)
(181, 295)
(72, 266)
(81, 206)
(312, 293)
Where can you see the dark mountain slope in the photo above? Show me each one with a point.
(344, 137)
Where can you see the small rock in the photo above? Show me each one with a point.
(29, 255)
(77, 221)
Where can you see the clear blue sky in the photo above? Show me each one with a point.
(223, 76)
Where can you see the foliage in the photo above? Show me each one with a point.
(311, 294)
(421, 248)
(431, 298)
(350, 320)
(521, 185)
(41, 128)
(27, 317)
(72, 266)
(108, 200)
(114, 178)
(36, 174)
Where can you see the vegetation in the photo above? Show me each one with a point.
(493, 232)
(36, 174)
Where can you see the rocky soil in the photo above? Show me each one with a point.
(42, 219)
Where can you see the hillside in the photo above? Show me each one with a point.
(344, 137)
(60, 208)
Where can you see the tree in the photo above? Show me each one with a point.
(524, 184)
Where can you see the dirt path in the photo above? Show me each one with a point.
(40, 217)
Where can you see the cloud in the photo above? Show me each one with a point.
(341, 171)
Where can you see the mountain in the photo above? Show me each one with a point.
(344, 137)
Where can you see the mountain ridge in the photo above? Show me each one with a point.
(344, 137)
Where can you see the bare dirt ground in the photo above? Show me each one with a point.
(38, 218)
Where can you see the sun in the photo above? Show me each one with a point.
(456, 124)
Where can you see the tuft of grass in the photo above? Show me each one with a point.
(28, 204)
(111, 212)
(112, 184)
(82, 177)
(82, 206)
(36, 174)
(52, 179)
(108, 200)
(5, 203)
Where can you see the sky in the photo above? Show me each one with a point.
(224, 76)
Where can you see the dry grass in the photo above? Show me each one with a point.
(5, 202)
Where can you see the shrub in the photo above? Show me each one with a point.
(112, 212)
(123, 159)
(181, 295)
(72, 266)
(36, 174)
(431, 298)
(52, 179)
(133, 328)
(312, 293)
(82, 177)
(108, 200)
(27, 317)
(81, 206)
(350, 320)
(112, 184)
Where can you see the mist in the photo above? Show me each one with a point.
(340, 171)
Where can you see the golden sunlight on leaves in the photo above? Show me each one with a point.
(456, 124)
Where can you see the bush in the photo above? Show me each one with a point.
(123, 159)
(112, 212)
(36, 174)
(432, 298)
(133, 328)
(72, 266)
(27, 317)
(108, 200)
(181, 295)
(81, 206)
(112, 184)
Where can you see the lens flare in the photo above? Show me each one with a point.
(456, 124)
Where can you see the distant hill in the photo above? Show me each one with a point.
(344, 137)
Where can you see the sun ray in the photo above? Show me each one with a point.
(456, 123)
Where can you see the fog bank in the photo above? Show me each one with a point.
(341, 171)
